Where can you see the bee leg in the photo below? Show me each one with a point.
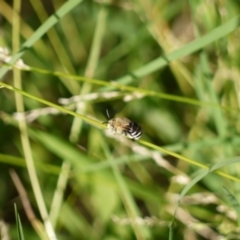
(125, 133)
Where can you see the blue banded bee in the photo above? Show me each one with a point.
(124, 126)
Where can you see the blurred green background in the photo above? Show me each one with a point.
(170, 66)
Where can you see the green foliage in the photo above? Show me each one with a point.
(170, 66)
(19, 225)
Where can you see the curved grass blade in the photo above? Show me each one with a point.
(200, 175)
(234, 203)
(204, 172)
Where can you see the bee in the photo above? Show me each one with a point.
(125, 127)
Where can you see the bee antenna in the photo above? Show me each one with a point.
(107, 113)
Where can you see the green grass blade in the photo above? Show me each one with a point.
(232, 199)
(189, 48)
(62, 109)
(200, 175)
(66, 7)
(128, 200)
(19, 224)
